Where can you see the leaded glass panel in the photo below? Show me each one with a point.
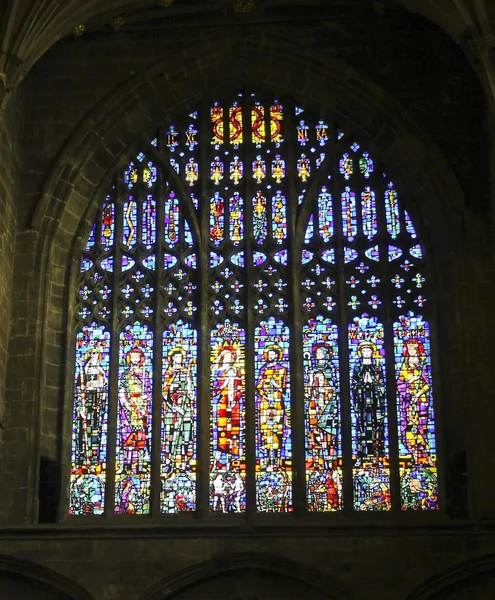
(253, 320)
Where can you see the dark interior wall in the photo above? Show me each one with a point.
(62, 94)
(402, 54)
(11, 156)
(14, 587)
(11, 159)
(379, 563)
(482, 589)
(251, 584)
(67, 87)
(420, 66)
(412, 59)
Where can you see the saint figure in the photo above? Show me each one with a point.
(369, 401)
(91, 398)
(322, 404)
(227, 392)
(413, 386)
(271, 390)
(178, 396)
(135, 393)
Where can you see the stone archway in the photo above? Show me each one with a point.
(249, 576)
(15, 586)
(73, 189)
(25, 580)
(470, 580)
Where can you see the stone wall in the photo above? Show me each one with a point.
(11, 156)
(383, 563)
(92, 98)
(11, 163)
(89, 100)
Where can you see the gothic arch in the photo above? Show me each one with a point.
(126, 113)
(73, 188)
(236, 563)
(33, 572)
(451, 579)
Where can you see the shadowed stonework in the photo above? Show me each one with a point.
(82, 88)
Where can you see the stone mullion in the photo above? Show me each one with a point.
(72, 330)
(295, 319)
(250, 425)
(156, 441)
(345, 388)
(137, 253)
(432, 315)
(121, 192)
(387, 295)
(176, 182)
(203, 397)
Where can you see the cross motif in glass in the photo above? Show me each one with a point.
(190, 309)
(137, 276)
(127, 311)
(419, 279)
(237, 307)
(190, 287)
(329, 303)
(308, 284)
(236, 286)
(374, 302)
(170, 309)
(127, 291)
(354, 302)
(104, 312)
(373, 281)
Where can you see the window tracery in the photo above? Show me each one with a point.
(253, 233)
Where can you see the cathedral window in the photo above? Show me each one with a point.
(252, 277)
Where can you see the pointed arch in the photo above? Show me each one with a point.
(366, 377)
(33, 572)
(73, 187)
(221, 566)
(451, 579)
(132, 348)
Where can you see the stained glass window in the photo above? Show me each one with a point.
(252, 326)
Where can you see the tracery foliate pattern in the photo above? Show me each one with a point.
(255, 234)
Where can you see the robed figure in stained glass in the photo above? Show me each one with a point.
(226, 399)
(271, 389)
(322, 404)
(91, 395)
(413, 387)
(135, 393)
(130, 498)
(369, 400)
(145, 241)
(178, 395)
